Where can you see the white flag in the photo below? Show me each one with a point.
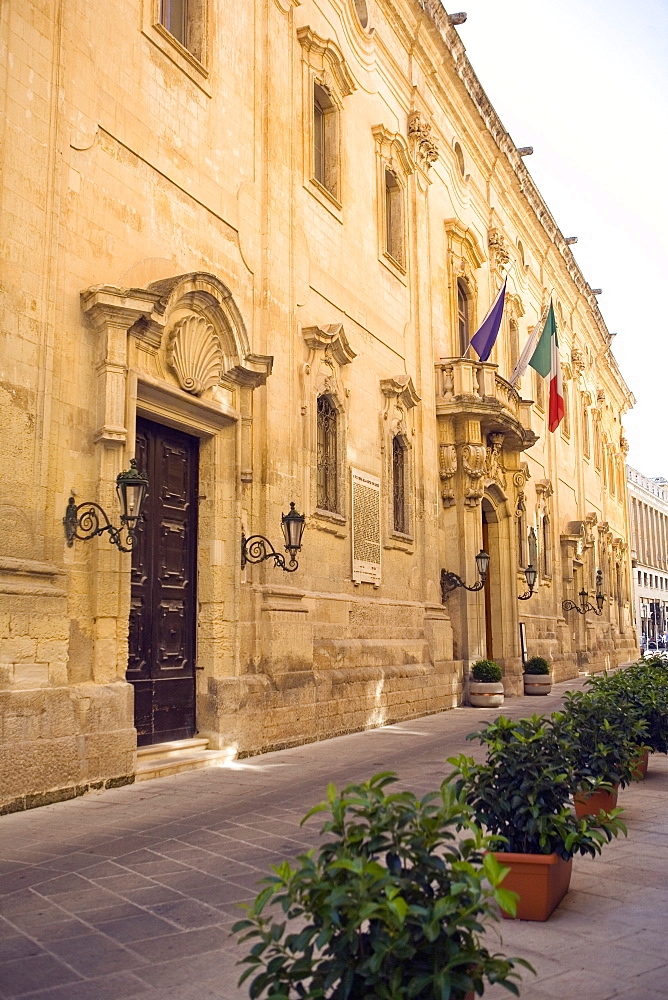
(529, 347)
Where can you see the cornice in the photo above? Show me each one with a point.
(446, 37)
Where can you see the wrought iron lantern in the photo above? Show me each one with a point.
(530, 573)
(86, 520)
(451, 581)
(584, 606)
(257, 548)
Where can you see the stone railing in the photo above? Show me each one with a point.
(471, 389)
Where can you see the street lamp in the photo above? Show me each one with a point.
(584, 605)
(83, 521)
(257, 548)
(530, 574)
(451, 581)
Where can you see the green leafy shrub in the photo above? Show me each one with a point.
(486, 671)
(603, 737)
(521, 794)
(641, 692)
(390, 905)
(536, 665)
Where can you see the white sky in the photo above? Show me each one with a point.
(585, 82)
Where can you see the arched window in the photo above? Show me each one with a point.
(362, 12)
(400, 519)
(521, 534)
(513, 345)
(566, 422)
(394, 218)
(327, 446)
(459, 156)
(463, 317)
(586, 443)
(520, 252)
(325, 154)
(538, 389)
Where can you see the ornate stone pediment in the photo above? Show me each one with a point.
(401, 389)
(330, 338)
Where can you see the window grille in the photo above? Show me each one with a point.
(399, 485)
(327, 498)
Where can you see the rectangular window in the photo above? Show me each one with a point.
(399, 485)
(327, 445)
(394, 222)
(174, 17)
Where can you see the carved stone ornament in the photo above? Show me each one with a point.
(332, 339)
(401, 389)
(195, 355)
(423, 146)
(577, 363)
(447, 467)
(623, 445)
(600, 396)
(498, 248)
(493, 467)
(474, 460)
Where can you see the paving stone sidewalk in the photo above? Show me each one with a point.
(131, 892)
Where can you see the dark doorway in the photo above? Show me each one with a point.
(161, 661)
(487, 591)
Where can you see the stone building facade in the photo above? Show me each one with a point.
(648, 510)
(247, 243)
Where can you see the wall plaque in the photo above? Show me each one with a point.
(365, 526)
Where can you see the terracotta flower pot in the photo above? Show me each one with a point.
(485, 694)
(537, 683)
(641, 767)
(540, 880)
(590, 804)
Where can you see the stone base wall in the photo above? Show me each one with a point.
(58, 742)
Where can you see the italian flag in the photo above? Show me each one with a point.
(545, 360)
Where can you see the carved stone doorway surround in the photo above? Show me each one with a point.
(176, 352)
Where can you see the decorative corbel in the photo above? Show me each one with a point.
(474, 460)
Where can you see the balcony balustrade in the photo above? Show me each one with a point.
(468, 390)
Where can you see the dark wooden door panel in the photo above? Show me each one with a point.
(161, 660)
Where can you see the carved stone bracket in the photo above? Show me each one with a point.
(498, 248)
(577, 363)
(423, 146)
(474, 460)
(447, 466)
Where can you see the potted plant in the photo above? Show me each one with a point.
(485, 687)
(390, 904)
(604, 742)
(641, 692)
(537, 677)
(521, 795)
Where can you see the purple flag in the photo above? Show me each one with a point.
(483, 339)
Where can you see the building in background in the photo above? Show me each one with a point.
(648, 506)
(248, 244)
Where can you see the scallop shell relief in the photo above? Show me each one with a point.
(195, 355)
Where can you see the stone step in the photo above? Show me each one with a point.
(161, 751)
(176, 763)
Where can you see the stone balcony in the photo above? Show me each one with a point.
(468, 390)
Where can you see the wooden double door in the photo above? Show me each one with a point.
(163, 615)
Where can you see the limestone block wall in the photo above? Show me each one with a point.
(134, 172)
